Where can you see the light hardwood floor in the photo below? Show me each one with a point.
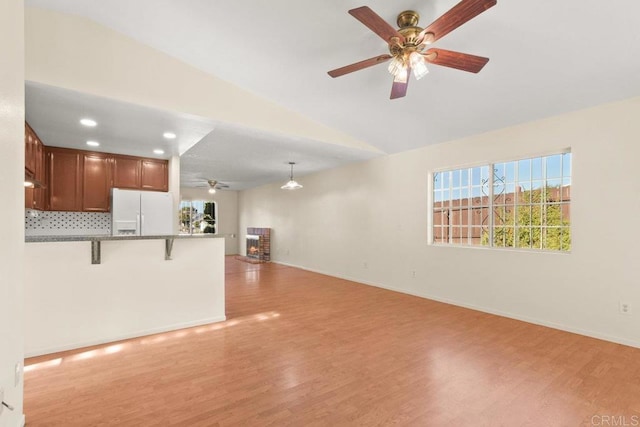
(303, 349)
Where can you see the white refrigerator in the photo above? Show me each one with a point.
(141, 213)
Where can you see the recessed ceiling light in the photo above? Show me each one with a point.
(88, 122)
(158, 151)
(93, 143)
(169, 135)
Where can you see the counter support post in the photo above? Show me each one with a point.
(168, 246)
(95, 252)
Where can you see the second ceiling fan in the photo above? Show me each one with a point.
(408, 44)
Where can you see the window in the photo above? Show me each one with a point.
(517, 204)
(198, 217)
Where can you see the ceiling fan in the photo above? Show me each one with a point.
(408, 44)
(213, 185)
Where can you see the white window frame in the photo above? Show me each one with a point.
(191, 202)
(491, 202)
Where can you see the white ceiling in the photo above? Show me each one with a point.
(547, 57)
(242, 158)
(123, 128)
(239, 157)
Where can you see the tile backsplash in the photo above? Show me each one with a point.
(51, 223)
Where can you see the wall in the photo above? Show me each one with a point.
(12, 191)
(227, 203)
(368, 222)
(133, 292)
(174, 188)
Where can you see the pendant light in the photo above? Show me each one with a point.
(292, 184)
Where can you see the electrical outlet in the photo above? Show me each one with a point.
(365, 264)
(413, 274)
(625, 307)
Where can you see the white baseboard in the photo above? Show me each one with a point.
(553, 325)
(135, 334)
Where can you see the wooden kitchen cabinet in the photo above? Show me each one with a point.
(140, 174)
(155, 175)
(29, 197)
(82, 180)
(78, 180)
(64, 178)
(41, 177)
(127, 172)
(96, 182)
(29, 150)
(34, 169)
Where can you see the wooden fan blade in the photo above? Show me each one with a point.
(461, 61)
(455, 17)
(359, 65)
(398, 89)
(376, 24)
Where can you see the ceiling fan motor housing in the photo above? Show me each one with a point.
(408, 18)
(407, 22)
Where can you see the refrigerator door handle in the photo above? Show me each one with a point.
(141, 224)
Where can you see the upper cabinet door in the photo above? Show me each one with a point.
(155, 175)
(29, 150)
(39, 193)
(65, 179)
(127, 172)
(28, 191)
(34, 164)
(96, 182)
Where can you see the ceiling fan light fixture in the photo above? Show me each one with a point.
(418, 65)
(402, 76)
(410, 38)
(291, 184)
(396, 65)
(212, 186)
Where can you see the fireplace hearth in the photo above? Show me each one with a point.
(258, 244)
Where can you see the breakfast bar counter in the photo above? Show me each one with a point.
(103, 237)
(95, 240)
(142, 285)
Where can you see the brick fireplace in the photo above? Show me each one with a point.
(259, 243)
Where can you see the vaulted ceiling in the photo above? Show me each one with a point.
(546, 58)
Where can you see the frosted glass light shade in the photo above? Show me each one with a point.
(418, 65)
(291, 185)
(395, 66)
(402, 76)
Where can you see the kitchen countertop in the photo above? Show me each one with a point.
(104, 237)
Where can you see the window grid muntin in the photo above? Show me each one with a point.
(506, 174)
